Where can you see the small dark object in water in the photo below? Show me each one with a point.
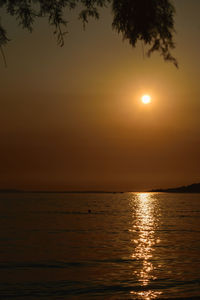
(89, 211)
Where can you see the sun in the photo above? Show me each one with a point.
(146, 99)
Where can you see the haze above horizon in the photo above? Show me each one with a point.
(72, 117)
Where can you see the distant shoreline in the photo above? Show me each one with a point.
(190, 189)
(59, 192)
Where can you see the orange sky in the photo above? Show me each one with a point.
(71, 117)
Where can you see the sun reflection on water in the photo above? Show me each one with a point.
(144, 224)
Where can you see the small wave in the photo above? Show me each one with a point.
(60, 265)
(43, 265)
(68, 212)
(120, 290)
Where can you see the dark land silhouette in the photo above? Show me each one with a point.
(58, 192)
(192, 188)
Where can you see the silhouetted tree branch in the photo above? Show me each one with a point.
(151, 21)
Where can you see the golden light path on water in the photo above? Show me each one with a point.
(145, 222)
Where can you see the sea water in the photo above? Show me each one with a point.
(130, 246)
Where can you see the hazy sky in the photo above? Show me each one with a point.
(71, 117)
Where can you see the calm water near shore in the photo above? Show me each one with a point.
(131, 246)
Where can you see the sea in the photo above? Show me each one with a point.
(99, 246)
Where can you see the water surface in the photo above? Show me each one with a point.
(131, 246)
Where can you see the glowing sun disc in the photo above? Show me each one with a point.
(146, 99)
